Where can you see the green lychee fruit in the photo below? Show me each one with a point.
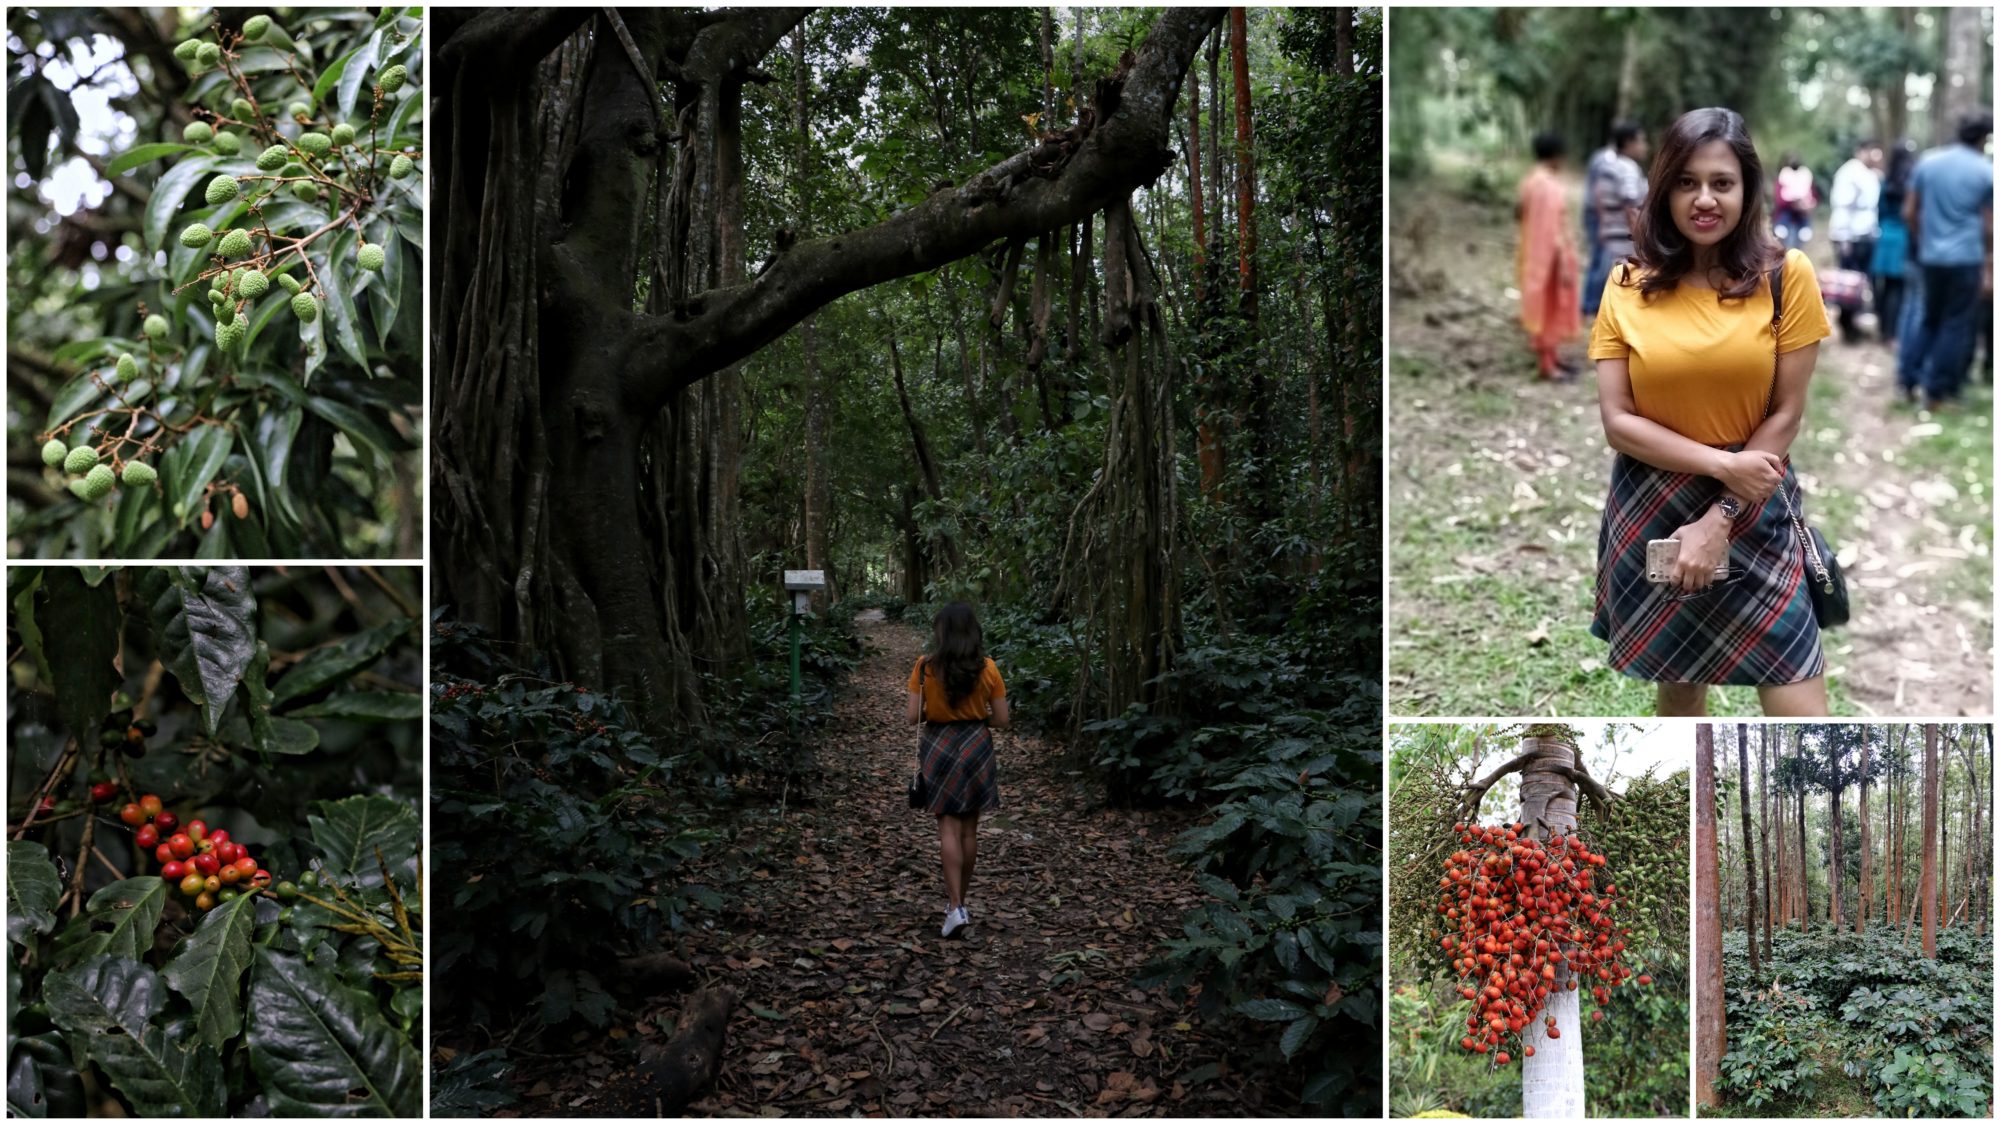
(186, 49)
(53, 452)
(235, 244)
(242, 110)
(256, 26)
(138, 474)
(156, 327)
(401, 166)
(228, 144)
(315, 143)
(222, 189)
(128, 368)
(392, 79)
(297, 111)
(343, 134)
(97, 483)
(78, 489)
(293, 168)
(370, 256)
(197, 234)
(209, 54)
(290, 283)
(198, 133)
(307, 192)
(272, 159)
(226, 312)
(216, 297)
(228, 334)
(305, 307)
(79, 460)
(253, 284)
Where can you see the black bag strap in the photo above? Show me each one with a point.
(1777, 327)
(923, 665)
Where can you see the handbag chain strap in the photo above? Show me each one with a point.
(923, 702)
(1770, 396)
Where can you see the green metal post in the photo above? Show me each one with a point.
(796, 683)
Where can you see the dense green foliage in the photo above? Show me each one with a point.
(1859, 1024)
(215, 283)
(1632, 1064)
(280, 707)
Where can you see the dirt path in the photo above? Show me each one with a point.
(1497, 484)
(850, 1002)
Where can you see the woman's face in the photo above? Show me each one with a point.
(1707, 199)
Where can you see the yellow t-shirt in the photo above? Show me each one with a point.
(976, 704)
(1701, 365)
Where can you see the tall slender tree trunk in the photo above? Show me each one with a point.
(1805, 893)
(1930, 874)
(1552, 1078)
(1764, 823)
(819, 478)
(1749, 849)
(1836, 851)
(1866, 888)
(1710, 1038)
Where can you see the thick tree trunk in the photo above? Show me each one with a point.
(1836, 850)
(819, 477)
(1866, 889)
(1749, 848)
(920, 448)
(1552, 1078)
(553, 394)
(1258, 421)
(1805, 887)
(1959, 77)
(1930, 872)
(1710, 1043)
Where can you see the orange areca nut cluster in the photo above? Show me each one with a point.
(1528, 919)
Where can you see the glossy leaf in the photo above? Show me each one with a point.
(208, 969)
(32, 891)
(204, 620)
(323, 1049)
(348, 833)
(106, 1006)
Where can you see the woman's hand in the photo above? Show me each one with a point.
(1753, 474)
(1704, 548)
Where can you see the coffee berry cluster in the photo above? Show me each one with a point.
(1524, 918)
(205, 864)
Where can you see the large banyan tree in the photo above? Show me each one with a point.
(594, 298)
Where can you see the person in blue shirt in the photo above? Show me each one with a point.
(1949, 211)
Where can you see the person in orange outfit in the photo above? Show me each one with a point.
(1545, 259)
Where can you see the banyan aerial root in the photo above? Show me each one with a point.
(1523, 919)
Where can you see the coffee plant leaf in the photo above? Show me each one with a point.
(322, 1048)
(106, 1006)
(80, 639)
(205, 623)
(118, 920)
(209, 966)
(42, 1080)
(349, 831)
(32, 892)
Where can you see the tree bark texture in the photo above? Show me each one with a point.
(1749, 848)
(587, 443)
(1552, 1078)
(1930, 864)
(1866, 889)
(1710, 1042)
(1764, 823)
(1836, 844)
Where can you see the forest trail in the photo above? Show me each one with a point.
(848, 1000)
(1498, 482)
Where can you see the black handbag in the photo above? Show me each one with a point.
(920, 794)
(1824, 581)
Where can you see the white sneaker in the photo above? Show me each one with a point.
(953, 919)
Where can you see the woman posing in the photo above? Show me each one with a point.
(957, 694)
(1684, 346)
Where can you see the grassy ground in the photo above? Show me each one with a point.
(1497, 485)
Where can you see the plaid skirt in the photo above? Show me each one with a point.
(1756, 628)
(956, 760)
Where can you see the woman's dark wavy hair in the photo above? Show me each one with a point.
(957, 653)
(1664, 256)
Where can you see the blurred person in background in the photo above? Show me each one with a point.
(1546, 260)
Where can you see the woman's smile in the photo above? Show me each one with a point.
(1707, 199)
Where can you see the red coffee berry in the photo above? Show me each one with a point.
(166, 821)
(148, 836)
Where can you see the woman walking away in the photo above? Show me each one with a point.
(1892, 249)
(1545, 258)
(956, 693)
(1796, 200)
(1702, 385)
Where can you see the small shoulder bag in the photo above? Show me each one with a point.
(920, 794)
(1826, 584)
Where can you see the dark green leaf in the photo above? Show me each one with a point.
(332, 664)
(146, 154)
(323, 1049)
(80, 635)
(187, 468)
(1271, 1009)
(169, 192)
(1296, 1035)
(42, 1080)
(208, 969)
(348, 832)
(32, 891)
(118, 920)
(106, 1006)
(204, 623)
(367, 706)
